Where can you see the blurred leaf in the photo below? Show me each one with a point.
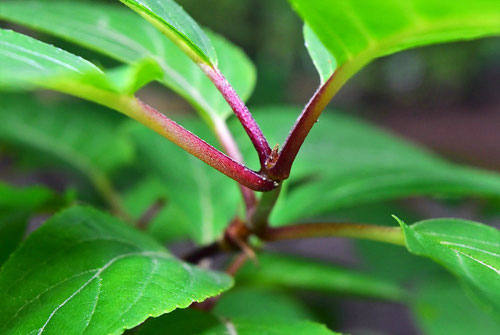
(16, 207)
(98, 276)
(123, 35)
(301, 273)
(198, 197)
(51, 134)
(346, 162)
(466, 248)
(355, 33)
(193, 322)
(441, 307)
(170, 224)
(258, 302)
(168, 17)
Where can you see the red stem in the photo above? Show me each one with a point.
(302, 127)
(191, 143)
(240, 109)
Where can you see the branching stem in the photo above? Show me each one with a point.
(241, 111)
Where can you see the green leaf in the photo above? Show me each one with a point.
(48, 134)
(323, 60)
(84, 271)
(337, 168)
(200, 200)
(308, 274)
(466, 248)
(258, 302)
(356, 32)
(25, 60)
(174, 22)
(16, 207)
(442, 307)
(193, 322)
(123, 35)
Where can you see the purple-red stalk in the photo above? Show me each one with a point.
(281, 169)
(191, 143)
(239, 108)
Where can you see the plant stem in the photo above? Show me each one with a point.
(169, 129)
(104, 186)
(392, 235)
(150, 214)
(260, 219)
(304, 124)
(240, 110)
(231, 148)
(197, 147)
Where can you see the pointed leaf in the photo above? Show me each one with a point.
(84, 271)
(356, 32)
(468, 249)
(123, 35)
(193, 322)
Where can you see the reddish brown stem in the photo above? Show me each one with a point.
(241, 111)
(303, 125)
(199, 148)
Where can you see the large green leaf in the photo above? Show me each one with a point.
(201, 201)
(356, 32)
(346, 162)
(16, 207)
(301, 273)
(49, 134)
(468, 249)
(84, 271)
(193, 322)
(123, 35)
(442, 307)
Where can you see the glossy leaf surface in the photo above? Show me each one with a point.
(356, 32)
(85, 272)
(468, 249)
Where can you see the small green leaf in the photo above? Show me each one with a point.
(84, 271)
(193, 322)
(356, 32)
(16, 207)
(442, 307)
(200, 200)
(174, 22)
(123, 35)
(337, 168)
(468, 249)
(309, 274)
